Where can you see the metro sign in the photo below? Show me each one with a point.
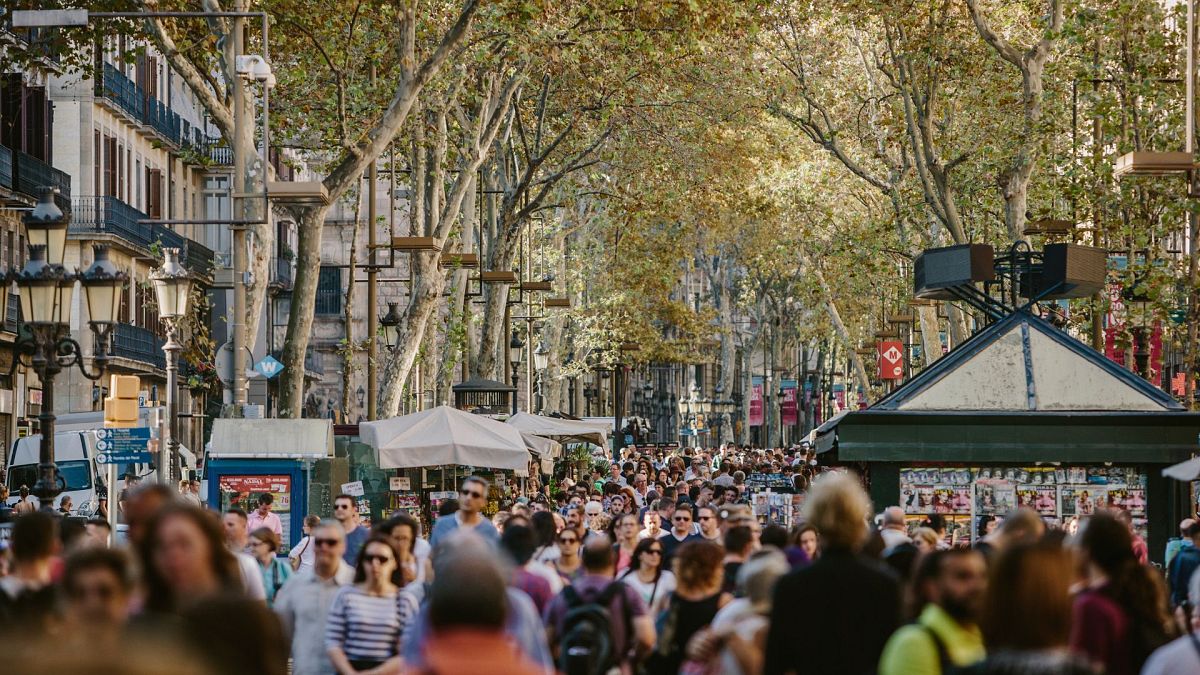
(891, 360)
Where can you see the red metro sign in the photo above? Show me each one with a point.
(891, 360)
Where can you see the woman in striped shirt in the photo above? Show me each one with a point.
(363, 630)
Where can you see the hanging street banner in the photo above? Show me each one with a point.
(891, 360)
(789, 407)
(756, 402)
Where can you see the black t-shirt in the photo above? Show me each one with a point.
(731, 572)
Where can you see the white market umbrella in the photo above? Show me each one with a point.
(1185, 471)
(559, 429)
(444, 436)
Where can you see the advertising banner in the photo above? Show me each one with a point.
(756, 402)
(789, 407)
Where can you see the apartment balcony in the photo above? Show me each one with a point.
(31, 175)
(6, 168)
(198, 258)
(111, 216)
(130, 100)
(138, 344)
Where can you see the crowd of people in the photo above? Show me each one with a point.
(656, 565)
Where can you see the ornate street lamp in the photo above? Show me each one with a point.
(516, 351)
(46, 291)
(46, 226)
(541, 356)
(390, 323)
(173, 289)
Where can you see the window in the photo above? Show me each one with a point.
(154, 187)
(110, 166)
(329, 291)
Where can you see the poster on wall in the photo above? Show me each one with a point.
(243, 491)
(1056, 493)
(994, 497)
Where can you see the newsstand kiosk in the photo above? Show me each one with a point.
(247, 457)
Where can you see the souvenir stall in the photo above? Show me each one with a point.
(1021, 414)
(433, 450)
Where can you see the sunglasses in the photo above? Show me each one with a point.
(679, 518)
(705, 517)
(654, 551)
(326, 542)
(339, 507)
(381, 559)
(471, 493)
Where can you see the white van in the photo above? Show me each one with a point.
(81, 477)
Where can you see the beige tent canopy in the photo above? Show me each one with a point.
(559, 429)
(445, 436)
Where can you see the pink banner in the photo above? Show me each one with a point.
(756, 404)
(789, 407)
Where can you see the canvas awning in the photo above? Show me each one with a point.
(271, 439)
(544, 451)
(445, 436)
(559, 429)
(546, 448)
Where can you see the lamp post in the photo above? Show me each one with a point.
(541, 361)
(46, 290)
(173, 289)
(516, 351)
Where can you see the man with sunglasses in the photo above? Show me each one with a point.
(345, 513)
(304, 601)
(681, 532)
(471, 500)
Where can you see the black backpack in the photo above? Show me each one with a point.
(587, 646)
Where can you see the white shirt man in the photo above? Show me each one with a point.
(893, 529)
(304, 601)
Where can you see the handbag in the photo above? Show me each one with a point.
(295, 562)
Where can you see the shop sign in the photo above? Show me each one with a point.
(399, 483)
(353, 488)
(891, 360)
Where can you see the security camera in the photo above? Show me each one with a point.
(254, 67)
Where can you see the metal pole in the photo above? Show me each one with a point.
(1193, 223)
(46, 489)
(238, 320)
(171, 445)
(617, 438)
(372, 286)
(515, 387)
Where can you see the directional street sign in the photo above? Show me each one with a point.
(123, 446)
(269, 367)
(124, 457)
